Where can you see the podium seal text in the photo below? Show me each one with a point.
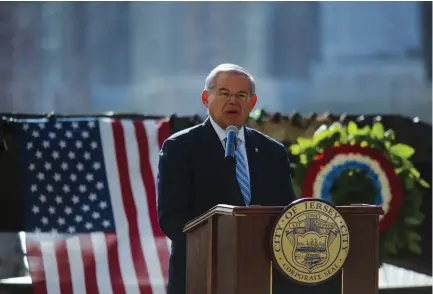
(310, 241)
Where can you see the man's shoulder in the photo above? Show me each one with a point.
(184, 136)
(265, 140)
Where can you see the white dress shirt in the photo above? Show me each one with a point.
(241, 141)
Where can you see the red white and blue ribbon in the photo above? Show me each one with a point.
(329, 165)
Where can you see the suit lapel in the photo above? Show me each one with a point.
(252, 148)
(211, 140)
(217, 165)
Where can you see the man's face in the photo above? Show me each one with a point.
(230, 101)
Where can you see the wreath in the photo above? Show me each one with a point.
(351, 165)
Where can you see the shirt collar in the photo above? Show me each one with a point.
(222, 134)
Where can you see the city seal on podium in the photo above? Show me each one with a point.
(310, 241)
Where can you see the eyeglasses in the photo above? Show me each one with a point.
(228, 95)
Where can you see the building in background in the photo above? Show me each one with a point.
(152, 58)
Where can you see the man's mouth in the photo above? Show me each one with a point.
(232, 112)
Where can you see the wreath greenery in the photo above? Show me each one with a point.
(355, 185)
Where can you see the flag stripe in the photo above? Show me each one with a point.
(164, 131)
(36, 264)
(62, 258)
(135, 157)
(119, 258)
(146, 136)
(100, 242)
(50, 266)
(88, 267)
(76, 264)
(118, 269)
(130, 209)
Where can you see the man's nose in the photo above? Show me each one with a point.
(233, 98)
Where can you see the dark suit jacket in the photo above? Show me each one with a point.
(192, 178)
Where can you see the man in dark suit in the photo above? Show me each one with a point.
(193, 175)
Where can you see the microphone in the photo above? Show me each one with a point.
(232, 134)
(230, 162)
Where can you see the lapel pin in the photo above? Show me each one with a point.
(256, 149)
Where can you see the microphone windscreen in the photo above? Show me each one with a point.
(232, 128)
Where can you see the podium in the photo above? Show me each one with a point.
(229, 252)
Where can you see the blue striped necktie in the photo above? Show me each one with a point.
(242, 175)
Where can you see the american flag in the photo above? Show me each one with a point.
(90, 205)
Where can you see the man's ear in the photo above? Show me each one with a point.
(253, 101)
(204, 97)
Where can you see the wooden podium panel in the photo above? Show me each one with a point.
(229, 252)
